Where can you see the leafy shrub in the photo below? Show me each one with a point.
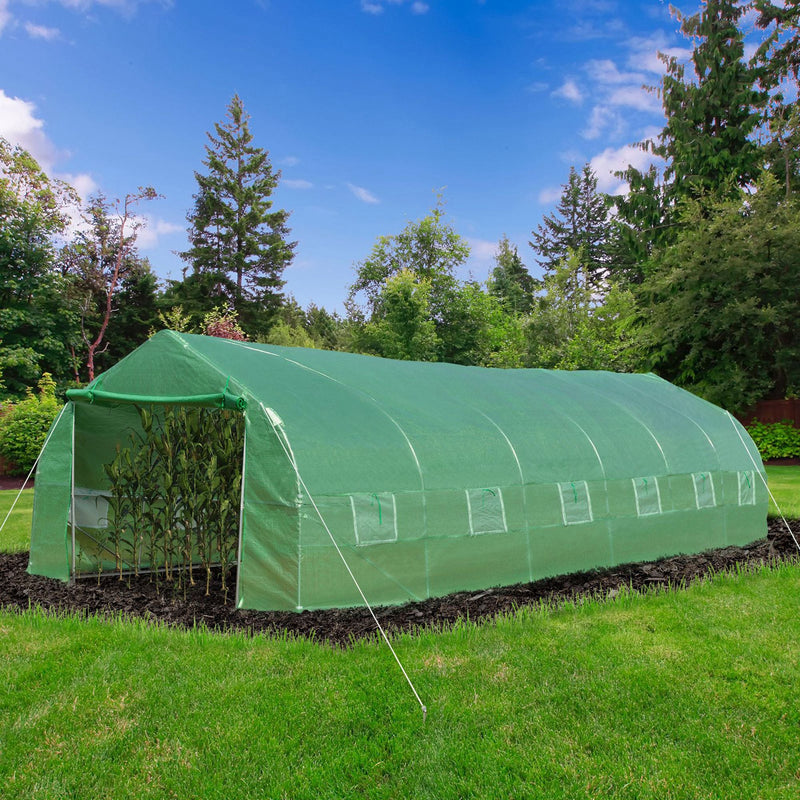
(775, 439)
(23, 429)
(224, 324)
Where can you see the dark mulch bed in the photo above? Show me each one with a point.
(340, 626)
(7, 482)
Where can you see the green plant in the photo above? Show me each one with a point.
(775, 439)
(178, 480)
(24, 427)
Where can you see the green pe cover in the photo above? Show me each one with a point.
(432, 478)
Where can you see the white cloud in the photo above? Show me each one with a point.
(83, 183)
(298, 183)
(379, 6)
(125, 7)
(481, 250)
(289, 161)
(549, 195)
(19, 124)
(569, 91)
(151, 230)
(612, 160)
(42, 32)
(364, 195)
(606, 71)
(645, 50)
(603, 120)
(5, 15)
(635, 97)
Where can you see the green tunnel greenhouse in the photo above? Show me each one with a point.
(431, 478)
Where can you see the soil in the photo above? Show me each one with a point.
(142, 599)
(7, 482)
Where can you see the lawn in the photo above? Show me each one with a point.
(784, 483)
(683, 694)
(16, 535)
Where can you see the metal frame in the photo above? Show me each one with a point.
(73, 568)
(241, 515)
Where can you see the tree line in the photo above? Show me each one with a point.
(691, 272)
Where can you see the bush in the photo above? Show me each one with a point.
(775, 439)
(23, 429)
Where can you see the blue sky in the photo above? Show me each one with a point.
(369, 108)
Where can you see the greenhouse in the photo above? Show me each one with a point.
(412, 479)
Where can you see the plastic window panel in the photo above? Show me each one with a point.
(374, 518)
(704, 494)
(576, 505)
(91, 509)
(648, 495)
(747, 488)
(487, 513)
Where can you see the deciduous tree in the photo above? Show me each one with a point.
(100, 258)
(37, 323)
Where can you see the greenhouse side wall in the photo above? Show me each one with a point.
(413, 545)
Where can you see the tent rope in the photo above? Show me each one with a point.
(766, 485)
(347, 566)
(25, 482)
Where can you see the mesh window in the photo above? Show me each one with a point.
(91, 509)
(576, 506)
(374, 518)
(648, 496)
(486, 511)
(747, 488)
(704, 494)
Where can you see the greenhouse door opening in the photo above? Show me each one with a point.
(170, 500)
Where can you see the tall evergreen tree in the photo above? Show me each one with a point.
(510, 280)
(778, 59)
(579, 226)
(779, 53)
(233, 229)
(707, 139)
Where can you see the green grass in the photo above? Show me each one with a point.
(688, 694)
(685, 694)
(784, 483)
(16, 535)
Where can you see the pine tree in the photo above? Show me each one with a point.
(778, 59)
(579, 226)
(707, 140)
(510, 280)
(707, 143)
(233, 229)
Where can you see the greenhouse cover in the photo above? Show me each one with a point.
(431, 478)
